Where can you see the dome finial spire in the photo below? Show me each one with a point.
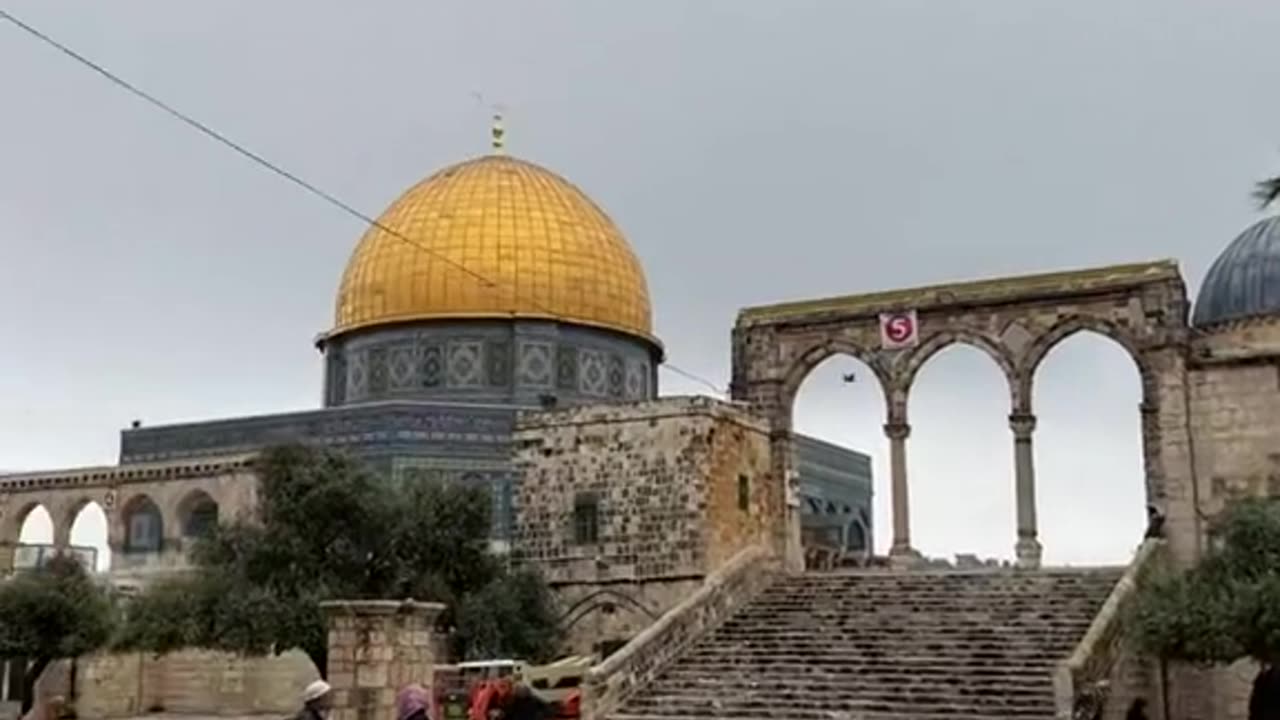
(498, 132)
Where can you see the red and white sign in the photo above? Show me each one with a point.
(899, 330)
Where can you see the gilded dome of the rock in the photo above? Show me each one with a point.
(494, 237)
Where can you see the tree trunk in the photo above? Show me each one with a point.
(320, 658)
(29, 682)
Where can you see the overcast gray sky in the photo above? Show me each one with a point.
(752, 151)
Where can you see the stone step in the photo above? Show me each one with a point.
(950, 714)
(820, 677)
(873, 606)
(711, 658)
(836, 687)
(1022, 649)
(920, 705)
(871, 632)
(884, 646)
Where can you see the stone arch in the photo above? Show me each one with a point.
(13, 526)
(1068, 327)
(858, 530)
(810, 359)
(69, 512)
(195, 515)
(73, 513)
(936, 343)
(142, 525)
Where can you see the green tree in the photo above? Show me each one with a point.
(52, 613)
(1227, 607)
(326, 527)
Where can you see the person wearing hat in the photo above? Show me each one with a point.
(317, 701)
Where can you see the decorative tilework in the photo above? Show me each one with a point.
(592, 374)
(401, 365)
(358, 375)
(378, 374)
(432, 365)
(337, 390)
(499, 357)
(617, 376)
(535, 364)
(466, 363)
(636, 373)
(566, 367)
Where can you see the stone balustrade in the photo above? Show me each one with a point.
(1086, 682)
(740, 580)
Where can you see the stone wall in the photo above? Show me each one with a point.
(196, 682)
(1235, 410)
(680, 484)
(599, 615)
(1235, 414)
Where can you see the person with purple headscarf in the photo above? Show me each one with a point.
(413, 703)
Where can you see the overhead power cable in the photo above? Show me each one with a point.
(333, 200)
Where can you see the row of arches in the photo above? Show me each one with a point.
(963, 409)
(138, 528)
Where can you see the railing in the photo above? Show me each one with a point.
(647, 654)
(1082, 682)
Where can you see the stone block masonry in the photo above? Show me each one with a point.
(377, 647)
(187, 682)
(642, 500)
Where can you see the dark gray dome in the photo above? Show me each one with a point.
(1244, 281)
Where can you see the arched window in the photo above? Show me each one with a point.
(199, 516)
(144, 527)
(857, 540)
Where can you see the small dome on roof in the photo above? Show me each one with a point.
(1244, 282)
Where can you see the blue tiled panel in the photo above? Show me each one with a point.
(493, 361)
(835, 489)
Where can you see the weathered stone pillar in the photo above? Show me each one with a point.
(1027, 548)
(61, 532)
(7, 549)
(898, 433)
(376, 647)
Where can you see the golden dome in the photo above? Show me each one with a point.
(494, 237)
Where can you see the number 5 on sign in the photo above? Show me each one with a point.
(899, 330)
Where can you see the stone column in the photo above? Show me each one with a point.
(898, 433)
(1027, 548)
(61, 532)
(376, 647)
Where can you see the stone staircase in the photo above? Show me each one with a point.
(885, 646)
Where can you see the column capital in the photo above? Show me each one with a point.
(1022, 424)
(897, 430)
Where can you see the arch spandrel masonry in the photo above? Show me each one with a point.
(229, 481)
(1016, 321)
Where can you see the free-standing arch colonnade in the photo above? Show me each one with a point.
(1016, 321)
